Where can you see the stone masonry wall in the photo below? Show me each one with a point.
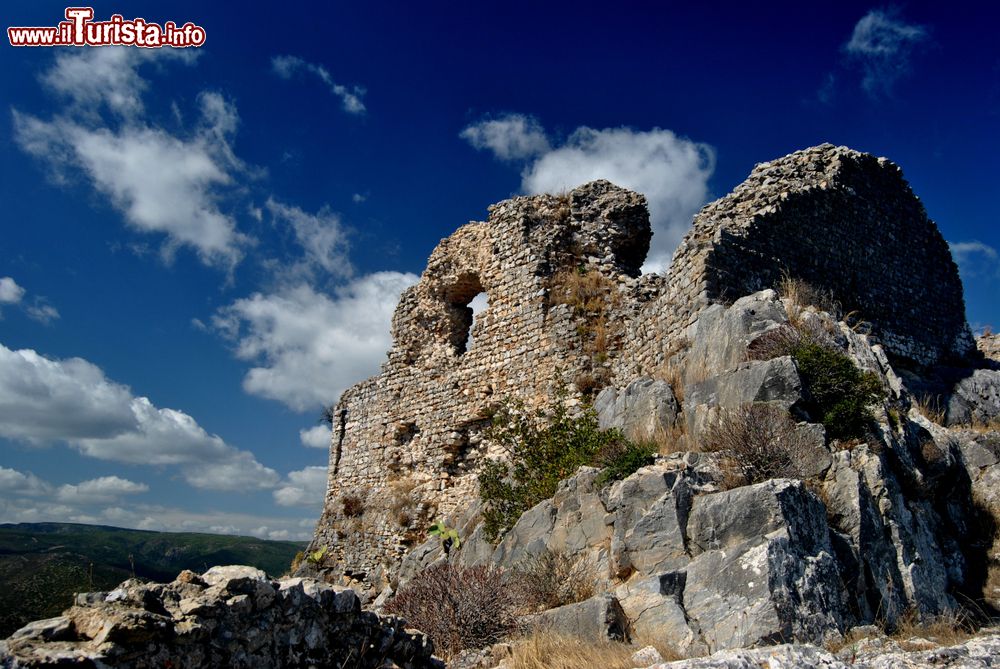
(407, 442)
(841, 220)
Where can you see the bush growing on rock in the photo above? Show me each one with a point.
(840, 392)
(543, 449)
(621, 459)
(458, 607)
(550, 579)
(762, 440)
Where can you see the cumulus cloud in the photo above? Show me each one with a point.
(10, 292)
(71, 401)
(316, 437)
(160, 182)
(882, 43)
(310, 346)
(509, 137)
(305, 487)
(22, 483)
(976, 258)
(103, 490)
(322, 237)
(671, 171)
(287, 67)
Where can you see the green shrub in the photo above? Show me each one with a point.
(840, 392)
(621, 459)
(542, 449)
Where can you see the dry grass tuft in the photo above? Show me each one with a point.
(802, 294)
(547, 650)
(552, 579)
(352, 505)
(587, 292)
(403, 505)
(946, 630)
(930, 408)
(673, 439)
(761, 439)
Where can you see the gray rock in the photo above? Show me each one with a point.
(720, 336)
(646, 656)
(599, 618)
(774, 381)
(655, 607)
(644, 409)
(774, 657)
(975, 398)
(241, 619)
(764, 569)
(894, 542)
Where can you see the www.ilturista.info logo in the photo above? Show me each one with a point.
(79, 29)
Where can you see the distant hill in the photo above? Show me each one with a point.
(43, 564)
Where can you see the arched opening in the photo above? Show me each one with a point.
(466, 300)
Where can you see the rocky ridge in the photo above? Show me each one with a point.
(227, 617)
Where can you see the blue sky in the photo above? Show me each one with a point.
(202, 247)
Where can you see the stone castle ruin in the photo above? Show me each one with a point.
(406, 443)
(898, 521)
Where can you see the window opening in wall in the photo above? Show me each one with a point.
(478, 305)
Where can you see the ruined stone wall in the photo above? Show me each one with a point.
(843, 221)
(407, 442)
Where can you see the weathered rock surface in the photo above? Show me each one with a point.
(774, 381)
(599, 618)
(977, 653)
(975, 399)
(231, 616)
(644, 409)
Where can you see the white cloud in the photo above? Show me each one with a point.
(286, 67)
(305, 487)
(671, 171)
(44, 400)
(39, 309)
(976, 258)
(311, 346)
(316, 437)
(161, 183)
(108, 77)
(882, 43)
(13, 481)
(509, 137)
(103, 490)
(321, 236)
(10, 292)
(26, 507)
(42, 312)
